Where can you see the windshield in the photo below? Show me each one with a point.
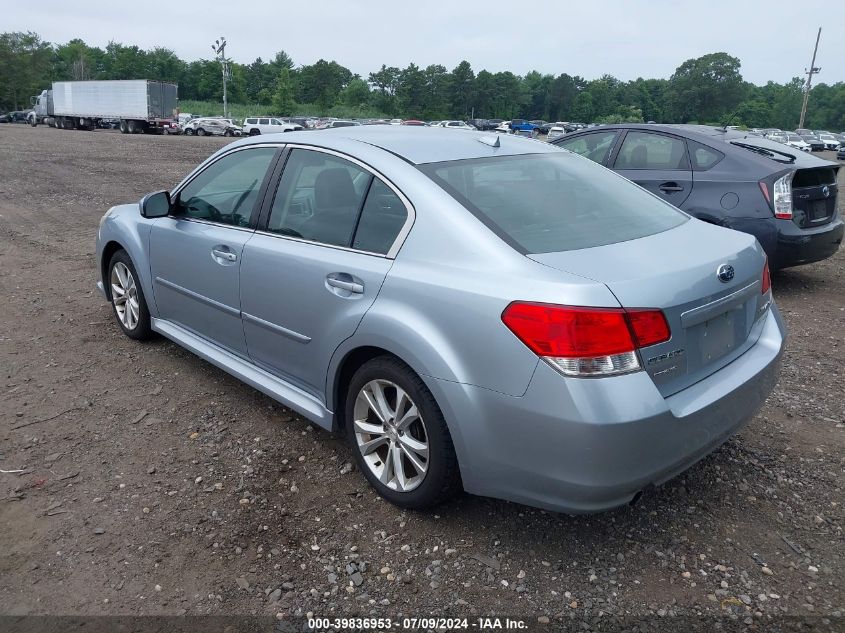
(793, 137)
(543, 203)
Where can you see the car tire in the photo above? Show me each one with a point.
(254, 132)
(189, 131)
(200, 131)
(228, 133)
(428, 465)
(132, 314)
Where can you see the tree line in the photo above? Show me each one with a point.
(707, 89)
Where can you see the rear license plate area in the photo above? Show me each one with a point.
(718, 336)
(818, 211)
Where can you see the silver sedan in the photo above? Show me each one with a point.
(475, 312)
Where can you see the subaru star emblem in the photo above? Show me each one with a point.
(725, 273)
(826, 191)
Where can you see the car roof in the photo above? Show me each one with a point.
(414, 144)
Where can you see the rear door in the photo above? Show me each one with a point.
(317, 263)
(195, 253)
(658, 162)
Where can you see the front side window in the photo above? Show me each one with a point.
(227, 190)
(645, 150)
(594, 146)
(543, 203)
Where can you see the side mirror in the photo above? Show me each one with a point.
(155, 205)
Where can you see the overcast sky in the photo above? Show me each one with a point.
(628, 39)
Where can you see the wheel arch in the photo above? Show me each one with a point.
(111, 247)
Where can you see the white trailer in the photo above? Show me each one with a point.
(139, 105)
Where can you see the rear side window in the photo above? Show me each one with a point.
(327, 199)
(382, 218)
(263, 121)
(594, 146)
(544, 203)
(644, 150)
(252, 121)
(703, 157)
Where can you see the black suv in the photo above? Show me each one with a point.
(786, 198)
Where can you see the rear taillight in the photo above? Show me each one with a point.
(767, 278)
(581, 341)
(780, 196)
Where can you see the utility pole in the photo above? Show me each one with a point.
(812, 71)
(219, 47)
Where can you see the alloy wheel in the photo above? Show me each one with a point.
(124, 294)
(391, 435)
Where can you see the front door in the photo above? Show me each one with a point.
(195, 253)
(313, 270)
(657, 162)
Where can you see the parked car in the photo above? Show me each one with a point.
(267, 125)
(413, 122)
(841, 153)
(338, 123)
(4, 117)
(541, 127)
(456, 125)
(816, 144)
(521, 125)
(210, 127)
(555, 132)
(829, 140)
(611, 342)
(795, 140)
(504, 126)
(784, 197)
(778, 137)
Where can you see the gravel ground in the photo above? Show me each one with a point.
(154, 483)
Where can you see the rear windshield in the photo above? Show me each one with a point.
(543, 203)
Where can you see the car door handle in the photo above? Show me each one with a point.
(669, 187)
(349, 286)
(228, 256)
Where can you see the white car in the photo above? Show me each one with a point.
(829, 140)
(267, 125)
(555, 132)
(794, 140)
(395, 121)
(456, 125)
(211, 127)
(339, 123)
(504, 126)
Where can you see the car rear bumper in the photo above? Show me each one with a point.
(797, 246)
(586, 445)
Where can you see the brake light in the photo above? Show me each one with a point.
(767, 278)
(580, 341)
(780, 198)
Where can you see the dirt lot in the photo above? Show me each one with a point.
(153, 483)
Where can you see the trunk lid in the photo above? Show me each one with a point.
(814, 193)
(712, 322)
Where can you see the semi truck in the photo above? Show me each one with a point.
(139, 105)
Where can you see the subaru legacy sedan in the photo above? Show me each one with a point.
(474, 312)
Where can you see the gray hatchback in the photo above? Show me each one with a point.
(473, 311)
